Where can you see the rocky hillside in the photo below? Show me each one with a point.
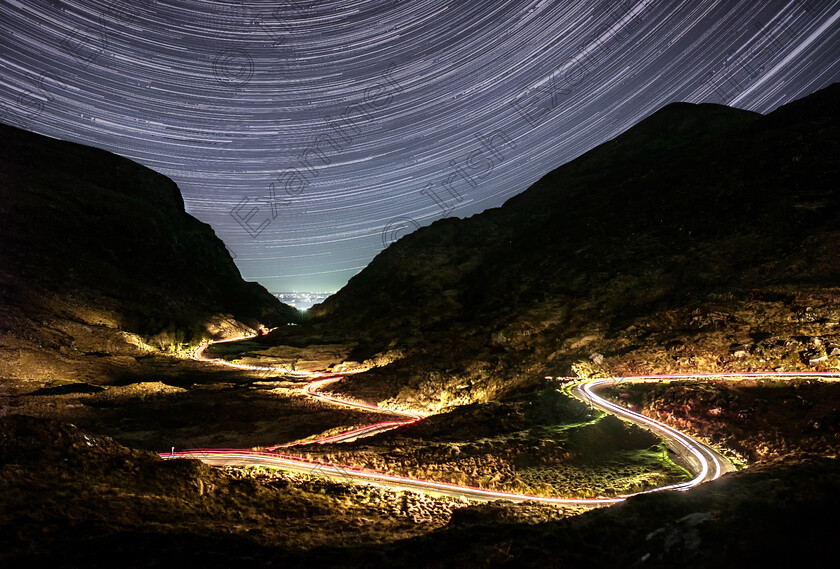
(70, 498)
(98, 257)
(700, 229)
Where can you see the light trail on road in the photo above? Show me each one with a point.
(704, 462)
(311, 390)
(246, 457)
(199, 355)
(706, 471)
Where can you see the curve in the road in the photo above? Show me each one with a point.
(704, 462)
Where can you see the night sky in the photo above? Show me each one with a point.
(310, 135)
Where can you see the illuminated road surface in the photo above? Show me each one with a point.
(311, 389)
(199, 355)
(244, 457)
(703, 462)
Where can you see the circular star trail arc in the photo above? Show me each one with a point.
(310, 135)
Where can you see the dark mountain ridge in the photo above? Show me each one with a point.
(93, 245)
(695, 200)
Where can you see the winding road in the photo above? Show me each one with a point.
(703, 462)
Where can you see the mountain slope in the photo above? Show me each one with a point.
(92, 246)
(693, 204)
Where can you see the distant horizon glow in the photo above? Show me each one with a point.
(302, 300)
(311, 136)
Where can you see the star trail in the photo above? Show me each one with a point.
(311, 135)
